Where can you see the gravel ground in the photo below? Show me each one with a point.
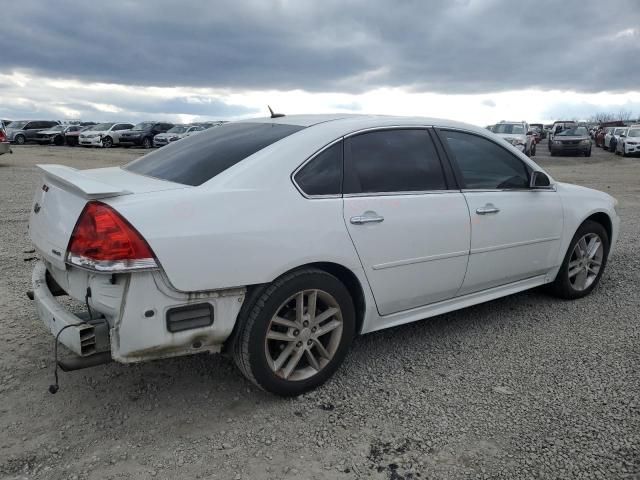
(523, 387)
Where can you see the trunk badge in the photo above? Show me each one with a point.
(45, 187)
(36, 208)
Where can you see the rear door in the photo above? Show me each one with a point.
(515, 231)
(409, 225)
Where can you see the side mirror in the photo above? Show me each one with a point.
(539, 180)
(622, 135)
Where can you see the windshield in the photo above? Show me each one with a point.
(634, 133)
(574, 132)
(177, 129)
(101, 127)
(143, 126)
(509, 128)
(17, 125)
(198, 158)
(618, 131)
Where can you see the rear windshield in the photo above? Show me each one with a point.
(509, 128)
(198, 158)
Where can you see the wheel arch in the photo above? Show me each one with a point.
(342, 273)
(603, 219)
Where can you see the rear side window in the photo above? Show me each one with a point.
(484, 164)
(323, 174)
(392, 161)
(198, 158)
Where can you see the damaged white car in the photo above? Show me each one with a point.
(278, 240)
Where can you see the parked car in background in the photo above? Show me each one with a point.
(286, 298)
(541, 130)
(5, 146)
(142, 134)
(558, 127)
(518, 135)
(71, 138)
(24, 131)
(573, 140)
(175, 133)
(613, 138)
(104, 135)
(629, 142)
(56, 135)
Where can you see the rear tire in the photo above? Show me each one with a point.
(568, 284)
(279, 347)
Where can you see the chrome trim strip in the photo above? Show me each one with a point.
(412, 261)
(552, 188)
(388, 127)
(513, 245)
(393, 194)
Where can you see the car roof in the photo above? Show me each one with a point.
(355, 122)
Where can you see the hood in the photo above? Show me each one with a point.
(511, 135)
(571, 137)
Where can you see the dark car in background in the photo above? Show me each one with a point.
(141, 135)
(24, 131)
(71, 137)
(572, 140)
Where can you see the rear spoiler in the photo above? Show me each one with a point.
(76, 180)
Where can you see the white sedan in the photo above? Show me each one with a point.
(279, 240)
(103, 135)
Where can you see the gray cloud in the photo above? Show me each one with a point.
(488, 103)
(442, 46)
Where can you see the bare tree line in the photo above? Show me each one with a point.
(601, 117)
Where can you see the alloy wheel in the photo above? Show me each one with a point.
(585, 262)
(303, 335)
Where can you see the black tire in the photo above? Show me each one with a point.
(107, 142)
(587, 153)
(562, 287)
(20, 139)
(533, 151)
(58, 140)
(553, 154)
(147, 143)
(248, 348)
(624, 151)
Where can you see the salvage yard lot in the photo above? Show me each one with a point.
(525, 386)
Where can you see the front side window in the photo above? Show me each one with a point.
(198, 158)
(484, 164)
(392, 161)
(323, 174)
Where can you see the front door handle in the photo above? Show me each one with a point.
(367, 217)
(487, 209)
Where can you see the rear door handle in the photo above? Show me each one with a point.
(368, 217)
(487, 209)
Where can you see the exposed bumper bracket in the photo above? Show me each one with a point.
(78, 363)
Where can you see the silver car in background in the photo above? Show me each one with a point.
(174, 134)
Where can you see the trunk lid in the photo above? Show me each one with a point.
(62, 195)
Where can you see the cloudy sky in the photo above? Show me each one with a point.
(473, 60)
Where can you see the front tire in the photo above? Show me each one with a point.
(295, 334)
(584, 262)
(533, 151)
(20, 139)
(587, 153)
(147, 143)
(107, 142)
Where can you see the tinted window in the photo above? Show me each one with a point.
(392, 161)
(484, 164)
(323, 174)
(201, 157)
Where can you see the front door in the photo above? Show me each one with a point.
(515, 231)
(410, 230)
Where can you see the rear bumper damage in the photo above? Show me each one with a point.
(137, 316)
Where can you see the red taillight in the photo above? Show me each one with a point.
(3, 137)
(103, 240)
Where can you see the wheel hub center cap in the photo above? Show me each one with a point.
(305, 334)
